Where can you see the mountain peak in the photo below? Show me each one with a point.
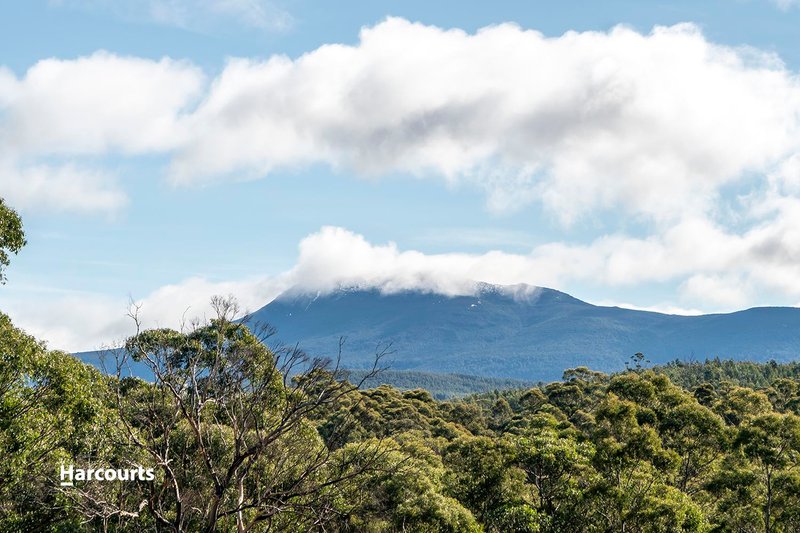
(522, 292)
(519, 331)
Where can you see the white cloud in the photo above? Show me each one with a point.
(664, 307)
(195, 15)
(95, 105)
(205, 14)
(653, 124)
(728, 291)
(70, 110)
(475, 236)
(78, 321)
(59, 188)
(718, 271)
(638, 124)
(785, 5)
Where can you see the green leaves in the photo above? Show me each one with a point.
(53, 408)
(772, 440)
(12, 237)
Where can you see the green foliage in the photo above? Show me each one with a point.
(51, 406)
(691, 375)
(441, 386)
(408, 496)
(12, 237)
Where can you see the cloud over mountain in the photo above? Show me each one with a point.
(690, 148)
(722, 277)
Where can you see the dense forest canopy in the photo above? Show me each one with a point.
(441, 386)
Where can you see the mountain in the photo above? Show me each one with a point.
(520, 332)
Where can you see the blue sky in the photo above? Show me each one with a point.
(168, 151)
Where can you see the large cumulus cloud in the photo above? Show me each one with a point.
(655, 124)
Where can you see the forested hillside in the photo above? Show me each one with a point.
(746, 373)
(441, 386)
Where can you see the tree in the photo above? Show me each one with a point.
(482, 476)
(772, 443)
(556, 465)
(12, 237)
(738, 405)
(699, 437)
(226, 423)
(51, 406)
(636, 362)
(633, 468)
(409, 496)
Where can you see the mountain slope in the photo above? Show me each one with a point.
(520, 332)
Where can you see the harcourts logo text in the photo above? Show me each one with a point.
(70, 474)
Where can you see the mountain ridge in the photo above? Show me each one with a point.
(496, 333)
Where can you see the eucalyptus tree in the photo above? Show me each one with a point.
(226, 423)
(771, 443)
